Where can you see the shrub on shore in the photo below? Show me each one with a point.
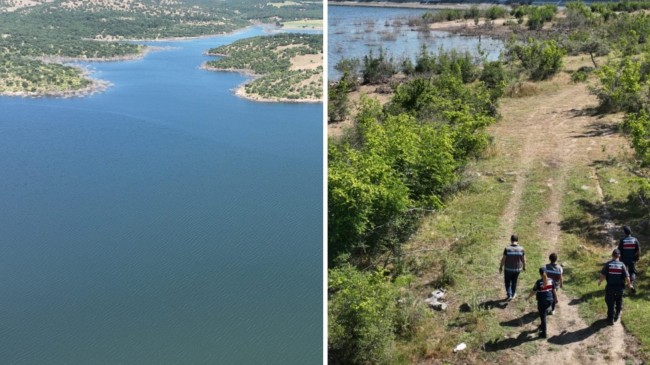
(539, 59)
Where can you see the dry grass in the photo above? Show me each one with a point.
(306, 62)
(522, 89)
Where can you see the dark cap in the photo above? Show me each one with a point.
(616, 252)
(542, 270)
(627, 230)
(514, 238)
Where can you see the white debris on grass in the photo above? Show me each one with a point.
(461, 346)
(434, 300)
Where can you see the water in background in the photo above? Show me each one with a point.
(165, 221)
(355, 31)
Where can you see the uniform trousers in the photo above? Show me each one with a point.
(614, 300)
(510, 280)
(542, 307)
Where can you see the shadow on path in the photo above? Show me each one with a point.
(598, 129)
(490, 304)
(508, 343)
(523, 320)
(566, 338)
(586, 297)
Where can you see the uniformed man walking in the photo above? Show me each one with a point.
(630, 252)
(617, 277)
(555, 272)
(513, 261)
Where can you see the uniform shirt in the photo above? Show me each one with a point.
(514, 258)
(630, 249)
(615, 273)
(554, 271)
(545, 289)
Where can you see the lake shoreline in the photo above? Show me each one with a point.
(98, 85)
(410, 5)
(240, 91)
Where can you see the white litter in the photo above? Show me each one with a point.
(461, 346)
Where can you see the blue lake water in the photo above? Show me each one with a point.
(354, 31)
(164, 221)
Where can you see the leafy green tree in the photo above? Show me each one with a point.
(377, 69)
(430, 99)
(337, 108)
(364, 193)
(637, 125)
(362, 315)
(494, 77)
(495, 12)
(540, 59)
(621, 87)
(577, 15)
(349, 69)
(460, 63)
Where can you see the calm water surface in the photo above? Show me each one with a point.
(356, 31)
(164, 221)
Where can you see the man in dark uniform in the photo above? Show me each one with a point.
(630, 252)
(617, 277)
(514, 261)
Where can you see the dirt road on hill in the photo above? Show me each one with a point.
(557, 130)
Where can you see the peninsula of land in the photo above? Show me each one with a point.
(38, 37)
(285, 67)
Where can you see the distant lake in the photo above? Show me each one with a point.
(164, 221)
(354, 31)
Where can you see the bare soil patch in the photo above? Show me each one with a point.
(13, 5)
(335, 130)
(306, 62)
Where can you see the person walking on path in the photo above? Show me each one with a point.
(630, 252)
(617, 277)
(513, 262)
(546, 292)
(554, 271)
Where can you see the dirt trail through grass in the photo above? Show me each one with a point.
(554, 131)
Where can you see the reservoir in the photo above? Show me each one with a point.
(163, 221)
(355, 31)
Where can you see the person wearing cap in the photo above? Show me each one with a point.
(630, 252)
(546, 293)
(554, 271)
(617, 277)
(513, 262)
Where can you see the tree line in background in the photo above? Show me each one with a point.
(401, 160)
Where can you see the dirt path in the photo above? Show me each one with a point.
(555, 131)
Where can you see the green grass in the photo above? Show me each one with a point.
(534, 201)
(585, 249)
(460, 249)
